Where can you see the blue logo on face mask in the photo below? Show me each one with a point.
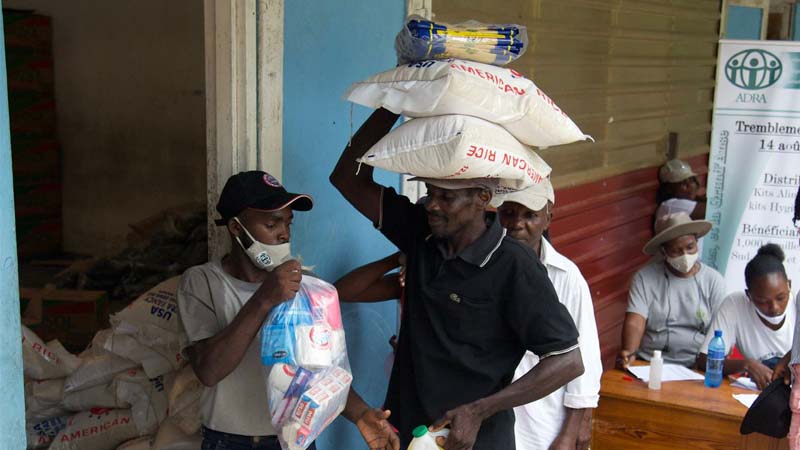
(264, 259)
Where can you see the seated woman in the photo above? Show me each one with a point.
(673, 297)
(679, 191)
(759, 321)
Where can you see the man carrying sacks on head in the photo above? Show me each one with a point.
(475, 302)
(223, 304)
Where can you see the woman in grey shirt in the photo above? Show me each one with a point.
(673, 297)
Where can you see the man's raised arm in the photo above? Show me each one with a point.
(357, 185)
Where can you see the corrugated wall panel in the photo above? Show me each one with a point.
(628, 72)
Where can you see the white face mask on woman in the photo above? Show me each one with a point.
(264, 256)
(683, 263)
(776, 320)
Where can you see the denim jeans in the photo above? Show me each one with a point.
(216, 440)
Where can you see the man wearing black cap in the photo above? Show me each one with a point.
(475, 301)
(224, 303)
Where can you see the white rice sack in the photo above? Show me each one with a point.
(43, 400)
(171, 437)
(184, 401)
(45, 362)
(147, 397)
(41, 434)
(98, 368)
(153, 319)
(455, 147)
(96, 429)
(499, 95)
(100, 396)
(142, 443)
(153, 362)
(47, 393)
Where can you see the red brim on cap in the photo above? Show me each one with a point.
(298, 202)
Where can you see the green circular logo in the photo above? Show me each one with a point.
(753, 69)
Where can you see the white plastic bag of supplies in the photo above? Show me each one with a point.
(454, 147)
(42, 361)
(499, 95)
(305, 356)
(96, 429)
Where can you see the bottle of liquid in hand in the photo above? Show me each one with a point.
(656, 366)
(426, 440)
(716, 357)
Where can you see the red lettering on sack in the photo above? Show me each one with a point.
(460, 171)
(519, 91)
(490, 77)
(69, 437)
(472, 150)
(479, 73)
(508, 88)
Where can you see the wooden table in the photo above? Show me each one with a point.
(682, 415)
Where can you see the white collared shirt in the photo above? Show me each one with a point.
(538, 423)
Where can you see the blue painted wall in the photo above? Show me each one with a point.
(328, 46)
(12, 396)
(743, 22)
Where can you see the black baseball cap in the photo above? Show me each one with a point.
(770, 413)
(258, 190)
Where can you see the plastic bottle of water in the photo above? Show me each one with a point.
(716, 357)
(426, 440)
(656, 366)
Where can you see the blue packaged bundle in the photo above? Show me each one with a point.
(422, 40)
(278, 331)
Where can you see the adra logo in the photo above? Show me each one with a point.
(753, 69)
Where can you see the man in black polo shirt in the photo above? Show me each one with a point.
(475, 301)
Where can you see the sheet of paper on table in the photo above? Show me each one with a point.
(746, 383)
(670, 372)
(746, 399)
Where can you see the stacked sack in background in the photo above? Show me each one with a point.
(470, 119)
(305, 360)
(130, 389)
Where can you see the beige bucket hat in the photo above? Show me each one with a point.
(674, 226)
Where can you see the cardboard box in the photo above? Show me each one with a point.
(71, 316)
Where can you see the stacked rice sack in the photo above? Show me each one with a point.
(469, 120)
(126, 390)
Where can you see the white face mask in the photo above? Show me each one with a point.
(772, 320)
(683, 263)
(264, 256)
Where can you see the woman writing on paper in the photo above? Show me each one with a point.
(673, 297)
(758, 321)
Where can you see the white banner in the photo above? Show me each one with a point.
(754, 166)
